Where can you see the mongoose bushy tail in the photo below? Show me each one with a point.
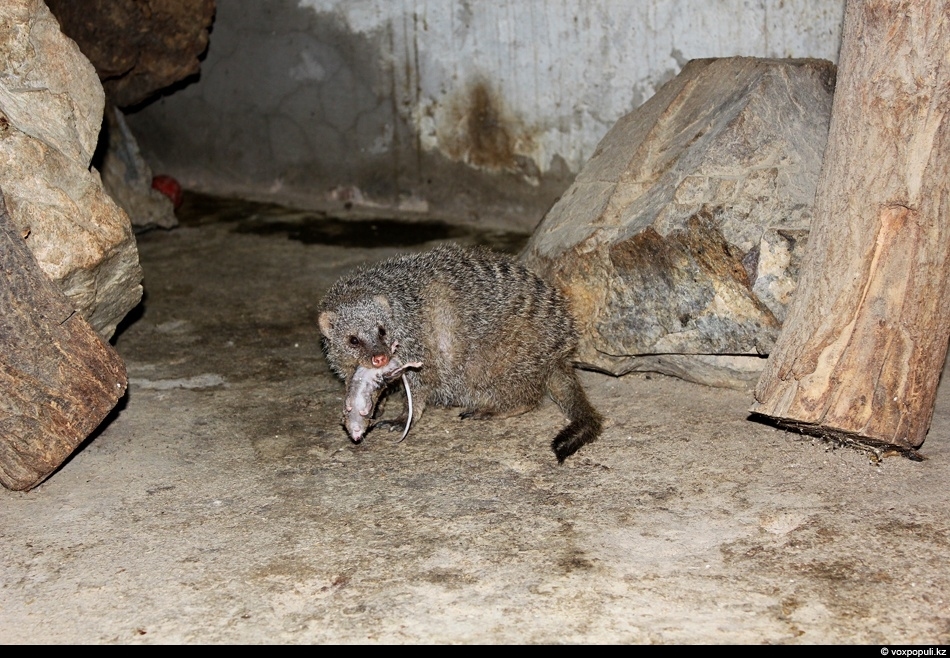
(585, 423)
(493, 337)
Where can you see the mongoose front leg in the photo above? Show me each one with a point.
(410, 410)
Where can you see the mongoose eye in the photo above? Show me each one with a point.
(354, 341)
(382, 332)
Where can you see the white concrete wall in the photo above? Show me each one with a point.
(464, 107)
(566, 70)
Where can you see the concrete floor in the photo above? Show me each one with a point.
(224, 503)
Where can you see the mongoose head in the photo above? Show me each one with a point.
(357, 333)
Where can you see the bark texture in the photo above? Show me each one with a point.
(58, 377)
(864, 343)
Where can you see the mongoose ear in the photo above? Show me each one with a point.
(383, 302)
(326, 320)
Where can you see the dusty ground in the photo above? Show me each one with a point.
(223, 502)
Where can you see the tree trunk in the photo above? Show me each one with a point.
(58, 377)
(861, 351)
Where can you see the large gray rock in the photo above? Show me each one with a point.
(679, 241)
(51, 106)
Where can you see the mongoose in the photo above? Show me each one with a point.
(493, 336)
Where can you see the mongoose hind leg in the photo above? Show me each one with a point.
(585, 423)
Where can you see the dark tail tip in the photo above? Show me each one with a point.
(585, 423)
(578, 433)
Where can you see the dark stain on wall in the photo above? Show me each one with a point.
(488, 139)
(482, 133)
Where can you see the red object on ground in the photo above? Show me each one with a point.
(169, 187)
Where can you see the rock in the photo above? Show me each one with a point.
(51, 107)
(679, 241)
(138, 48)
(128, 178)
(58, 379)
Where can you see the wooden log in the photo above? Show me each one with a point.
(58, 377)
(862, 348)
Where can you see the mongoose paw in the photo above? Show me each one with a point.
(393, 424)
(485, 414)
(475, 414)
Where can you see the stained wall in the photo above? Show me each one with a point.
(474, 110)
